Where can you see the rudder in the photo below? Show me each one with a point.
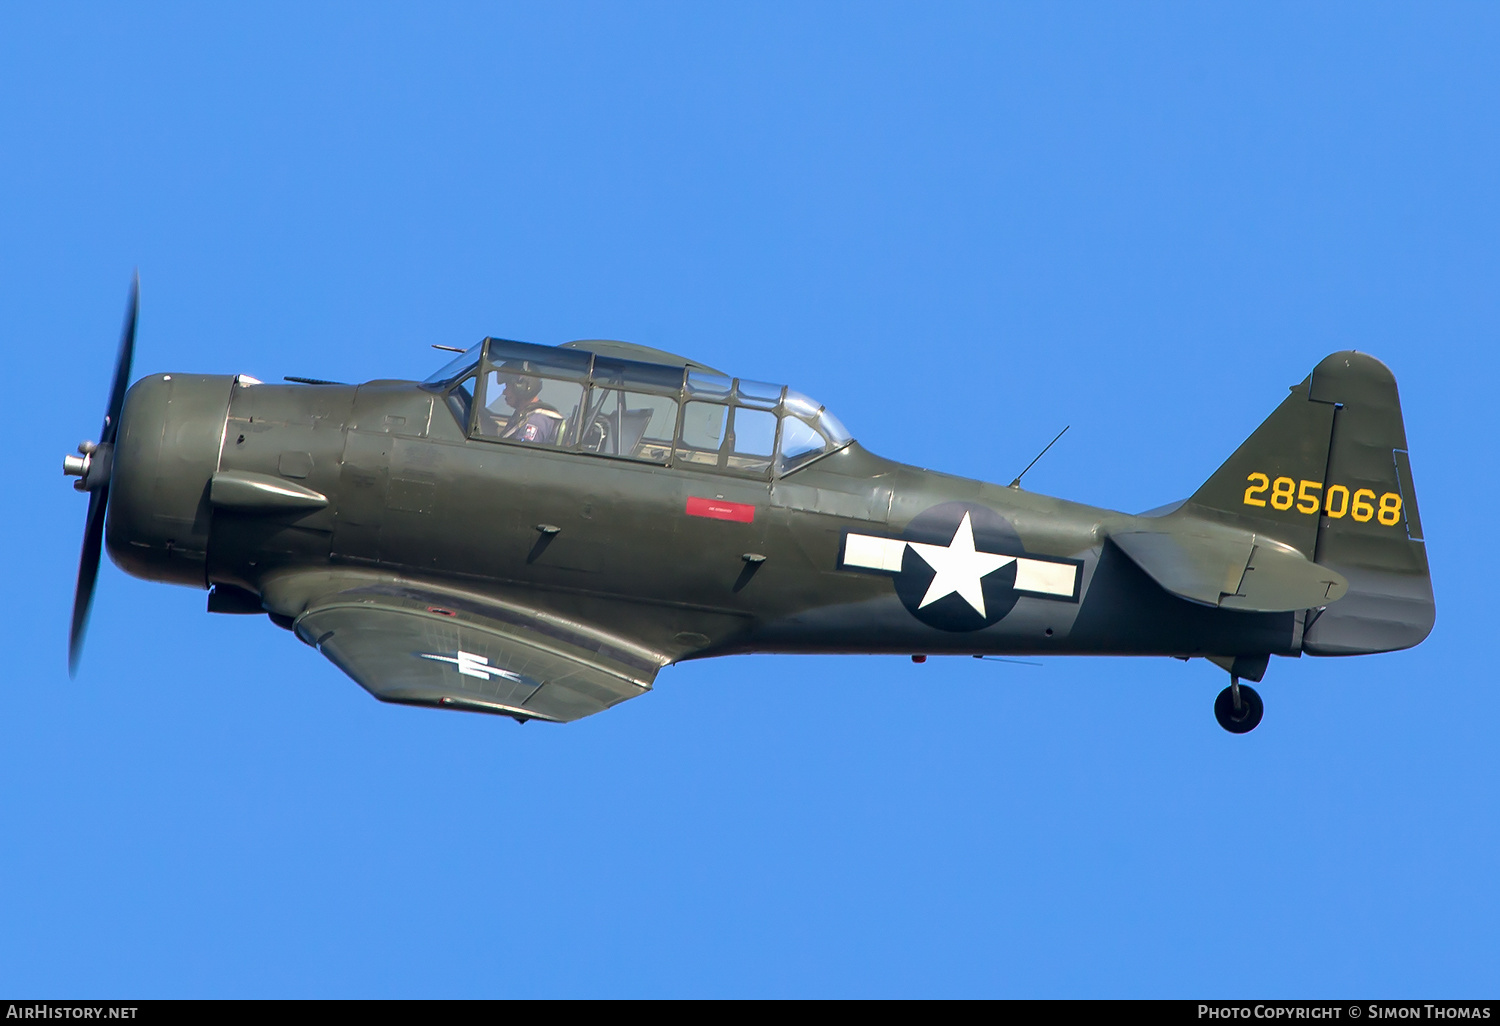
(1370, 529)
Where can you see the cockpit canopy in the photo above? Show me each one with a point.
(576, 400)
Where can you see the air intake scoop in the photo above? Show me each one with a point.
(243, 490)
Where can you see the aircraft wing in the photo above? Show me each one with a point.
(1230, 568)
(406, 647)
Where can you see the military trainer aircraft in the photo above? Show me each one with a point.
(535, 531)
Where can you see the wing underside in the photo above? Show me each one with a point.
(402, 650)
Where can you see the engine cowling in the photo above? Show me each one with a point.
(171, 434)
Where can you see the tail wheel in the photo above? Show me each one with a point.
(1239, 708)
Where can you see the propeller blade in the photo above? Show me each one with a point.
(88, 572)
(93, 525)
(122, 365)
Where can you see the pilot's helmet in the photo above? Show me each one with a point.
(517, 374)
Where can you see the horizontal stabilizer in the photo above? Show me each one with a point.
(1231, 568)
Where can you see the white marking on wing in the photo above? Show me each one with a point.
(471, 665)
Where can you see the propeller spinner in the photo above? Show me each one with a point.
(93, 468)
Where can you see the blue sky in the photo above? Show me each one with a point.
(961, 226)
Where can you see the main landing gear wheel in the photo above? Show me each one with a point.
(1239, 708)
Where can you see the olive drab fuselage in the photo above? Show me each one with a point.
(675, 514)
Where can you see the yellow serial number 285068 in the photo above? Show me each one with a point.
(1338, 501)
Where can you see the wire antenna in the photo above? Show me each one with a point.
(1017, 482)
(449, 349)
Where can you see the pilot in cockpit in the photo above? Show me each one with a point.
(533, 420)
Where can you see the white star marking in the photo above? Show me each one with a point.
(1044, 577)
(471, 665)
(959, 568)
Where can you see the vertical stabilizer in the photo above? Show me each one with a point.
(1272, 484)
(1328, 473)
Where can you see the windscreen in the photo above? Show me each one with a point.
(456, 367)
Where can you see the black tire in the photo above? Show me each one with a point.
(1249, 714)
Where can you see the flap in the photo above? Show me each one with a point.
(440, 657)
(1231, 569)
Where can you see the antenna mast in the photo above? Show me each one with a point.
(1017, 482)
